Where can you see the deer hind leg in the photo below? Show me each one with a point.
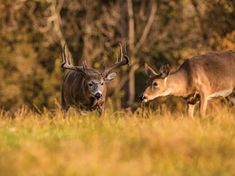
(231, 98)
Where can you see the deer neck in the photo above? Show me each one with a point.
(177, 83)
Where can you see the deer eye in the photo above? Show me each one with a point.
(102, 83)
(155, 84)
(90, 84)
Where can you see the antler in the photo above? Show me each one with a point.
(123, 60)
(66, 61)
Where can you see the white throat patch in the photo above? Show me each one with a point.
(168, 92)
(165, 80)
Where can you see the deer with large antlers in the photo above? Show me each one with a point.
(85, 87)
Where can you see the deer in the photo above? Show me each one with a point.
(84, 87)
(198, 80)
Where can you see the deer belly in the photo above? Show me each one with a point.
(223, 93)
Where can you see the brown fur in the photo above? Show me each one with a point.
(75, 92)
(198, 79)
(85, 88)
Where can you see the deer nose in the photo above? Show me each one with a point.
(98, 95)
(142, 97)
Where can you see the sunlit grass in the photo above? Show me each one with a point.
(120, 143)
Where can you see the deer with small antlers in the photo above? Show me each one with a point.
(84, 87)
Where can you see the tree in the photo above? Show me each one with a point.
(135, 45)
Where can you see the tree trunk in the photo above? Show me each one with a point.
(131, 84)
(135, 46)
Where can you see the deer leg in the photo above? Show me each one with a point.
(65, 108)
(203, 104)
(192, 101)
(231, 100)
(101, 110)
(191, 108)
(64, 105)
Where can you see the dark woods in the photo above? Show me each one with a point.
(155, 31)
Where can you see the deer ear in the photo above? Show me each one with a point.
(149, 71)
(164, 70)
(110, 77)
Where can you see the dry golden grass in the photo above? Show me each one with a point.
(121, 143)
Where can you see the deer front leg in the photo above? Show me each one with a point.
(101, 110)
(192, 102)
(191, 108)
(64, 108)
(203, 104)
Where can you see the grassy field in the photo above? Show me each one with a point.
(120, 144)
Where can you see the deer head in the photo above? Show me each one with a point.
(156, 85)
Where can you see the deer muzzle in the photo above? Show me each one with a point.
(143, 98)
(98, 95)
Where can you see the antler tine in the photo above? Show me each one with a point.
(119, 62)
(85, 63)
(66, 62)
(104, 65)
(69, 56)
(125, 51)
(63, 56)
(121, 52)
(125, 48)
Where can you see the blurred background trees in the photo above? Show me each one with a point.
(154, 31)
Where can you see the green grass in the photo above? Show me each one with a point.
(119, 144)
